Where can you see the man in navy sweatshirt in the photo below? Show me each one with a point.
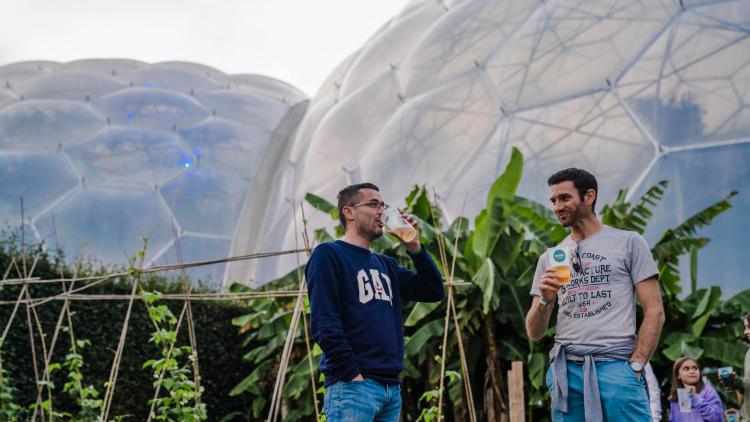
(356, 317)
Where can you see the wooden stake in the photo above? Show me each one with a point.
(515, 392)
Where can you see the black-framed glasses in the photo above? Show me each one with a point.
(575, 260)
(374, 204)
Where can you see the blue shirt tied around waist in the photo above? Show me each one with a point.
(562, 353)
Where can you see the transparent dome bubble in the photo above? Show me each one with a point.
(149, 108)
(106, 151)
(257, 109)
(6, 98)
(20, 169)
(172, 79)
(625, 88)
(107, 223)
(227, 145)
(206, 201)
(47, 124)
(120, 156)
(17, 72)
(68, 86)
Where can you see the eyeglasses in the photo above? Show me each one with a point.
(374, 204)
(575, 260)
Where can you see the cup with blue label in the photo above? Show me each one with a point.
(728, 378)
(559, 259)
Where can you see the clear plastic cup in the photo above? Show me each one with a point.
(683, 398)
(397, 224)
(559, 259)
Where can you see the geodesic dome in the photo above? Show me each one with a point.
(633, 90)
(103, 152)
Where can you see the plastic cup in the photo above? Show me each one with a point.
(559, 259)
(397, 224)
(683, 398)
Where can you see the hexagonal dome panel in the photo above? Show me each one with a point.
(228, 146)
(151, 108)
(242, 106)
(206, 201)
(19, 169)
(172, 79)
(119, 156)
(107, 224)
(46, 124)
(6, 98)
(68, 86)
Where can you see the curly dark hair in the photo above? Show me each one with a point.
(582, 181)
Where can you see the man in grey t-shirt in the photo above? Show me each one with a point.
(597, 362)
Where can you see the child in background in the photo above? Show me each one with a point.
(705, 402)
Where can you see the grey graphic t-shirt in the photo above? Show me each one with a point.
(597, 308)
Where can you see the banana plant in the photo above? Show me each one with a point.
(497, 256)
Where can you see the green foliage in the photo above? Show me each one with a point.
(498, 257)
(100, 324)
(86, 397)
(9, 410)
(264, 330)
(179, 398)
(431, 398)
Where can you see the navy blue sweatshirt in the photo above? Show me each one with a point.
(355, 303)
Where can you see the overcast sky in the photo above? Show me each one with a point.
(297, 41)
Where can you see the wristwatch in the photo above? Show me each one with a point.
(636, 366)
(544, 302)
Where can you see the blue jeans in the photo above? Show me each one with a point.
(362, 401)
(623, 395)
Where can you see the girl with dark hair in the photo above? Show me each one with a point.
(705, 402)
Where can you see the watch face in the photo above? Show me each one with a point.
(636, 366)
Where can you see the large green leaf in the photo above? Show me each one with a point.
(322, 205)
(505, 186)
(321, 236)
(682, 348)
(539, 221)
(740, 301)
(250, 383)
(625, 215)
(537, 369)
(487, 278)
(703, 218)
(672, 248)
(507, 250)
(730, 352)
(416, 342)
(709, 300)
(491, 222)
(418, 203)
(489, 227)
(420, 310)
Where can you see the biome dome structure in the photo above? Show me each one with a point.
(634, 90)
(102, 152)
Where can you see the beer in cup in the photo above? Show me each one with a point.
(559, 259)
(393, 219)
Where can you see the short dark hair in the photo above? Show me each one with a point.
(747, 318)
(349, 196)
(582, 181)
